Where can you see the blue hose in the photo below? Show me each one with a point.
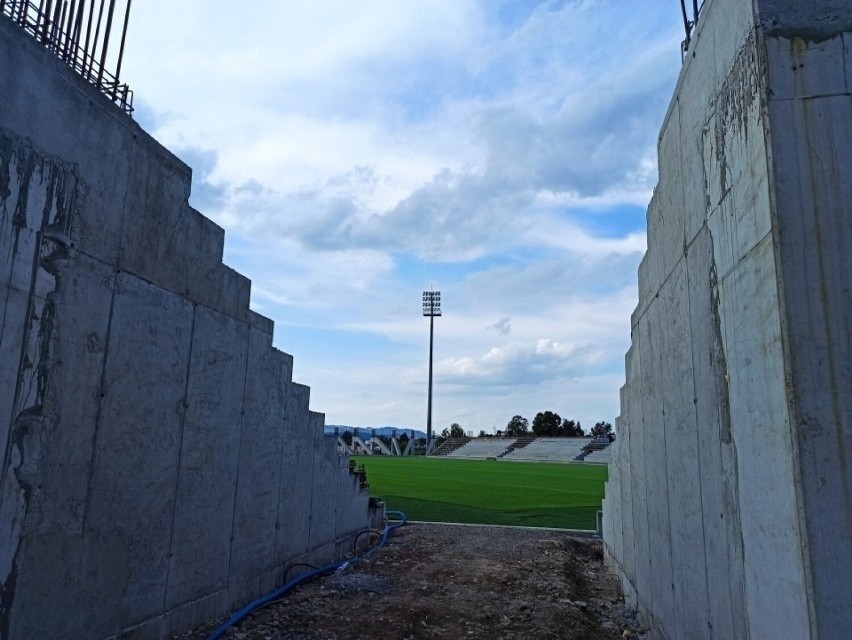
(254, 605)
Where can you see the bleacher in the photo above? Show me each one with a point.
(534, 450)
(550, 450)
(451, 444)
(483, 448)
(601, 456)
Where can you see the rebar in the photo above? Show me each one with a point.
(689, 25)
(121, 48)
(59, 26)
(106, 41)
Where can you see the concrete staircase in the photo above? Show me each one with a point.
(590, 448)
(451, 444)
(520, 443)
(548, 449)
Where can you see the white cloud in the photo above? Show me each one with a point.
(358, 153)
(521, 363)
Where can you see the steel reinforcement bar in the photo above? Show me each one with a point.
(79, 33)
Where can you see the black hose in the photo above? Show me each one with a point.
(376, 532)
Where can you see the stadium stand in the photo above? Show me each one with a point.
(602, 456)
(451, 444)
(600, 443)
(483, 448)
(550, 450)
(530, 449)
(520, 443)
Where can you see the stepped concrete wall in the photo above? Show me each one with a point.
(159, 465)
(728, 512)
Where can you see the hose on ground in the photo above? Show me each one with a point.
(297, 564)
(375, 535)
(254, 605)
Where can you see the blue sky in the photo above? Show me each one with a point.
(359, 153)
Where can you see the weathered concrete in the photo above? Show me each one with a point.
(159, 465)
(729, 506)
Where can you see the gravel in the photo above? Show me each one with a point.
(448, 582)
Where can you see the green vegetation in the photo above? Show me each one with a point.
(455, 431)
(488, 492)
(603, 429)
(548, 423)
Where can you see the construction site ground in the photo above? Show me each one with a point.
(437, 581)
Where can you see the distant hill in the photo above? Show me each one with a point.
(364, 432)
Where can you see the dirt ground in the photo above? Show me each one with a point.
(435, 581)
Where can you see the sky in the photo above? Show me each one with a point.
(502, 152)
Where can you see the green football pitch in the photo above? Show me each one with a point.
(533, 494)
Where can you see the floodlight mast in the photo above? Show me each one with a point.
(431, 308)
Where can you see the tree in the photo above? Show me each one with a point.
(455, 431)
(517, 426)
(482, 433)
(603, 429)
(571, 429)
(547, 424)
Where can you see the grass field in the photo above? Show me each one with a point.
(488, 492)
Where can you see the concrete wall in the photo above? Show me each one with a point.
(159, 465)
(728, 512)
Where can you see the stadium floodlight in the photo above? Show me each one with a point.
(431, 308)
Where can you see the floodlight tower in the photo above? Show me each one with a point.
(431, 308)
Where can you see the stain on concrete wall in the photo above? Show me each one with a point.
(38, 199)
(160, 467)
(729, 482)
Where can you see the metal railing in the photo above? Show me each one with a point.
(79, 35)
(689, 25)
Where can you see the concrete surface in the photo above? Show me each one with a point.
(728, 511)
(145, 483)
(549, 449)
